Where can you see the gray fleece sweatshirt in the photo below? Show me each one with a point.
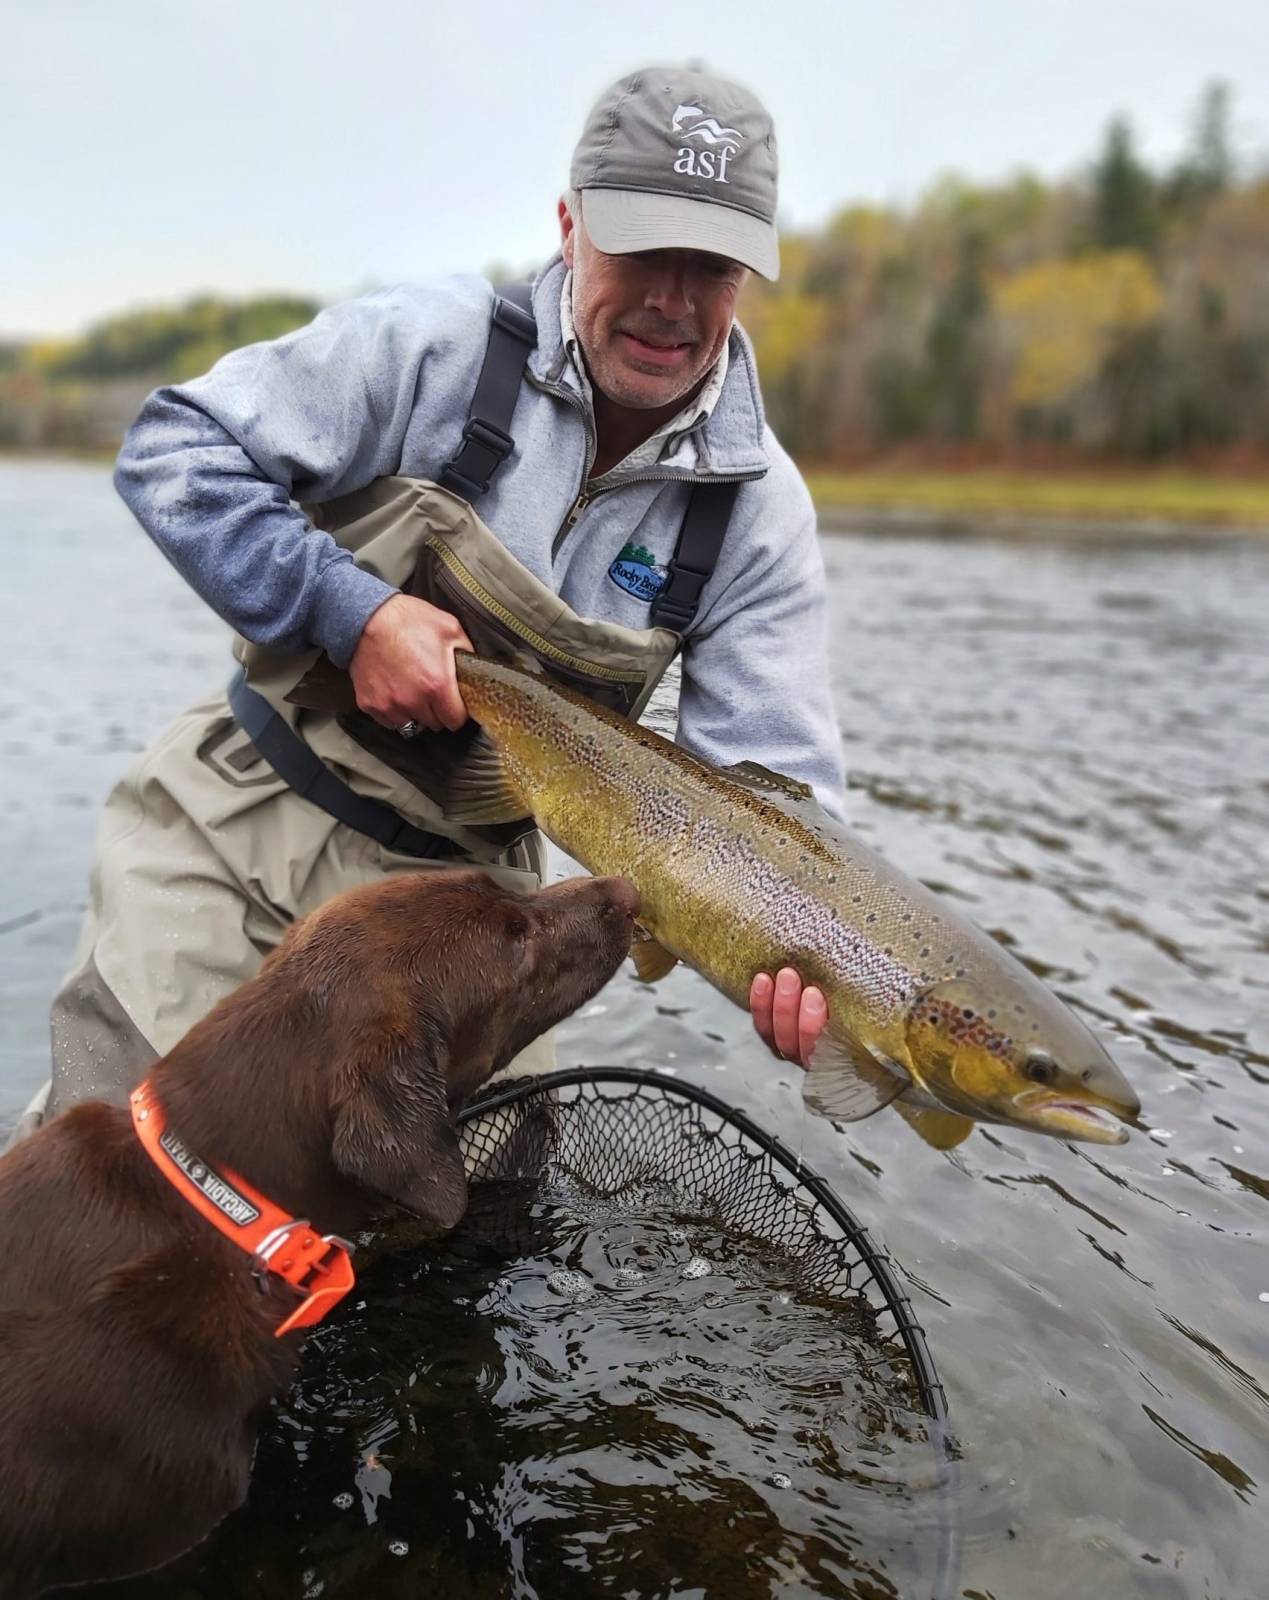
(381, 385)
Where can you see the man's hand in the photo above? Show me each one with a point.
(789, 1018)
(403, 666)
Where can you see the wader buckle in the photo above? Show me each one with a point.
(678, 609)
(475, 475)
(514, 319)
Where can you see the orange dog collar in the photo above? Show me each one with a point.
(317, 1266)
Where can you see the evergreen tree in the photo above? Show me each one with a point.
(1125, 208)
(1208, 168)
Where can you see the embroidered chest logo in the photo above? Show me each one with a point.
(637, 571)
(715, 145)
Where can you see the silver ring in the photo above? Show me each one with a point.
(410, 730)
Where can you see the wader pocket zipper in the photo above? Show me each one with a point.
(543, 646)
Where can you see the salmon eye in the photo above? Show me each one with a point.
(1041, 1068)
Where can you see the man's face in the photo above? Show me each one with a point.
(651, 325)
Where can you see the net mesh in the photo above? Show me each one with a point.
(616, 1131)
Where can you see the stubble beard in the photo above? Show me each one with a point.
(628, 385)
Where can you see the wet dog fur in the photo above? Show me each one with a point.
(136, 1348)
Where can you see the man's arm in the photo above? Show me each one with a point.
(210, 469)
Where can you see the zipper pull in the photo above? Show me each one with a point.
(569, 523)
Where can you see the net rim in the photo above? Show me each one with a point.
(878, 1262)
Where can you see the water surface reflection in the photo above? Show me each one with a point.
(1071, 741)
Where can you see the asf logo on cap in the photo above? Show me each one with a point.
(698, 163)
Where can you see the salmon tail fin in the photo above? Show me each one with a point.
(325, 687)
(845, 1081)
(479, 789)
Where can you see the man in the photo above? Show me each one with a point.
(638, 391)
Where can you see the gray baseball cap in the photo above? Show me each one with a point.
(674, 158)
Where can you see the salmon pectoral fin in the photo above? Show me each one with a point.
(941, 1130)
(845, 1081)
(652, 960)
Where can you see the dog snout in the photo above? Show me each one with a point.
(623, 894)
(617, 894)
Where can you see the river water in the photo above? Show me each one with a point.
(1070, 741)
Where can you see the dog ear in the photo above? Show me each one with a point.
(393, 1135)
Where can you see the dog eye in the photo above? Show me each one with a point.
(1041, 1067)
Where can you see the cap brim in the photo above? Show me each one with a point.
(624, 220)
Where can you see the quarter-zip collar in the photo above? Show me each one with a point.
(728, 443)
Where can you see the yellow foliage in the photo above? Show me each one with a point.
(871, 230)
(1062, 317)
(784, 328)
(795, 252)
(46, 354)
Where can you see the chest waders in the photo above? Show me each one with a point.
(426, 539)
(247, 813)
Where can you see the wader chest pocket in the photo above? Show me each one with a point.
(230, 754)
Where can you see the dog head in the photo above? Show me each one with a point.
(339, 1066)
(456, 975)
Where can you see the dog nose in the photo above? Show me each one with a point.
(624, 894)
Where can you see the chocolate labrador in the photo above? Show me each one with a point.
(138, 1343)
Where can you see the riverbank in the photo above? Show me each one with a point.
(1094, 505)
(983, 502)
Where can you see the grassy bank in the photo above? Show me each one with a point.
(1192, 499)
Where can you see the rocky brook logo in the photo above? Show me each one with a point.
(636, 571)
(690, 122)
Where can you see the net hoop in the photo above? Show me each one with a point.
(615, 1084)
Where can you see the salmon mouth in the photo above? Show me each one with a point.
(1075, 1119)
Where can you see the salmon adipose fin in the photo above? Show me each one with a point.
(845, 1081)
(941, 1130)
(652, 960)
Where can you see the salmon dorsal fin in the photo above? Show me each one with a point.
(764, 781)
(845, 1081)
(479, 788)
(796, 800)
(941, 1130)
(652, 960)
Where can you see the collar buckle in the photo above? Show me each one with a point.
(317, 1266)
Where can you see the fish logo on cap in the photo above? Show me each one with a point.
(708, 129)
(724, 144)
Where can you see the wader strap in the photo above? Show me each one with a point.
(695, 555)
(487, 440)
(298, 767)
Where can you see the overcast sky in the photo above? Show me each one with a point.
(154, 148)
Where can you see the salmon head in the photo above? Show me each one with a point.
(1001, 1048)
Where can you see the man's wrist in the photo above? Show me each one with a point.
(347, 597)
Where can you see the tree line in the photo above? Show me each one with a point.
(1120, 314)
